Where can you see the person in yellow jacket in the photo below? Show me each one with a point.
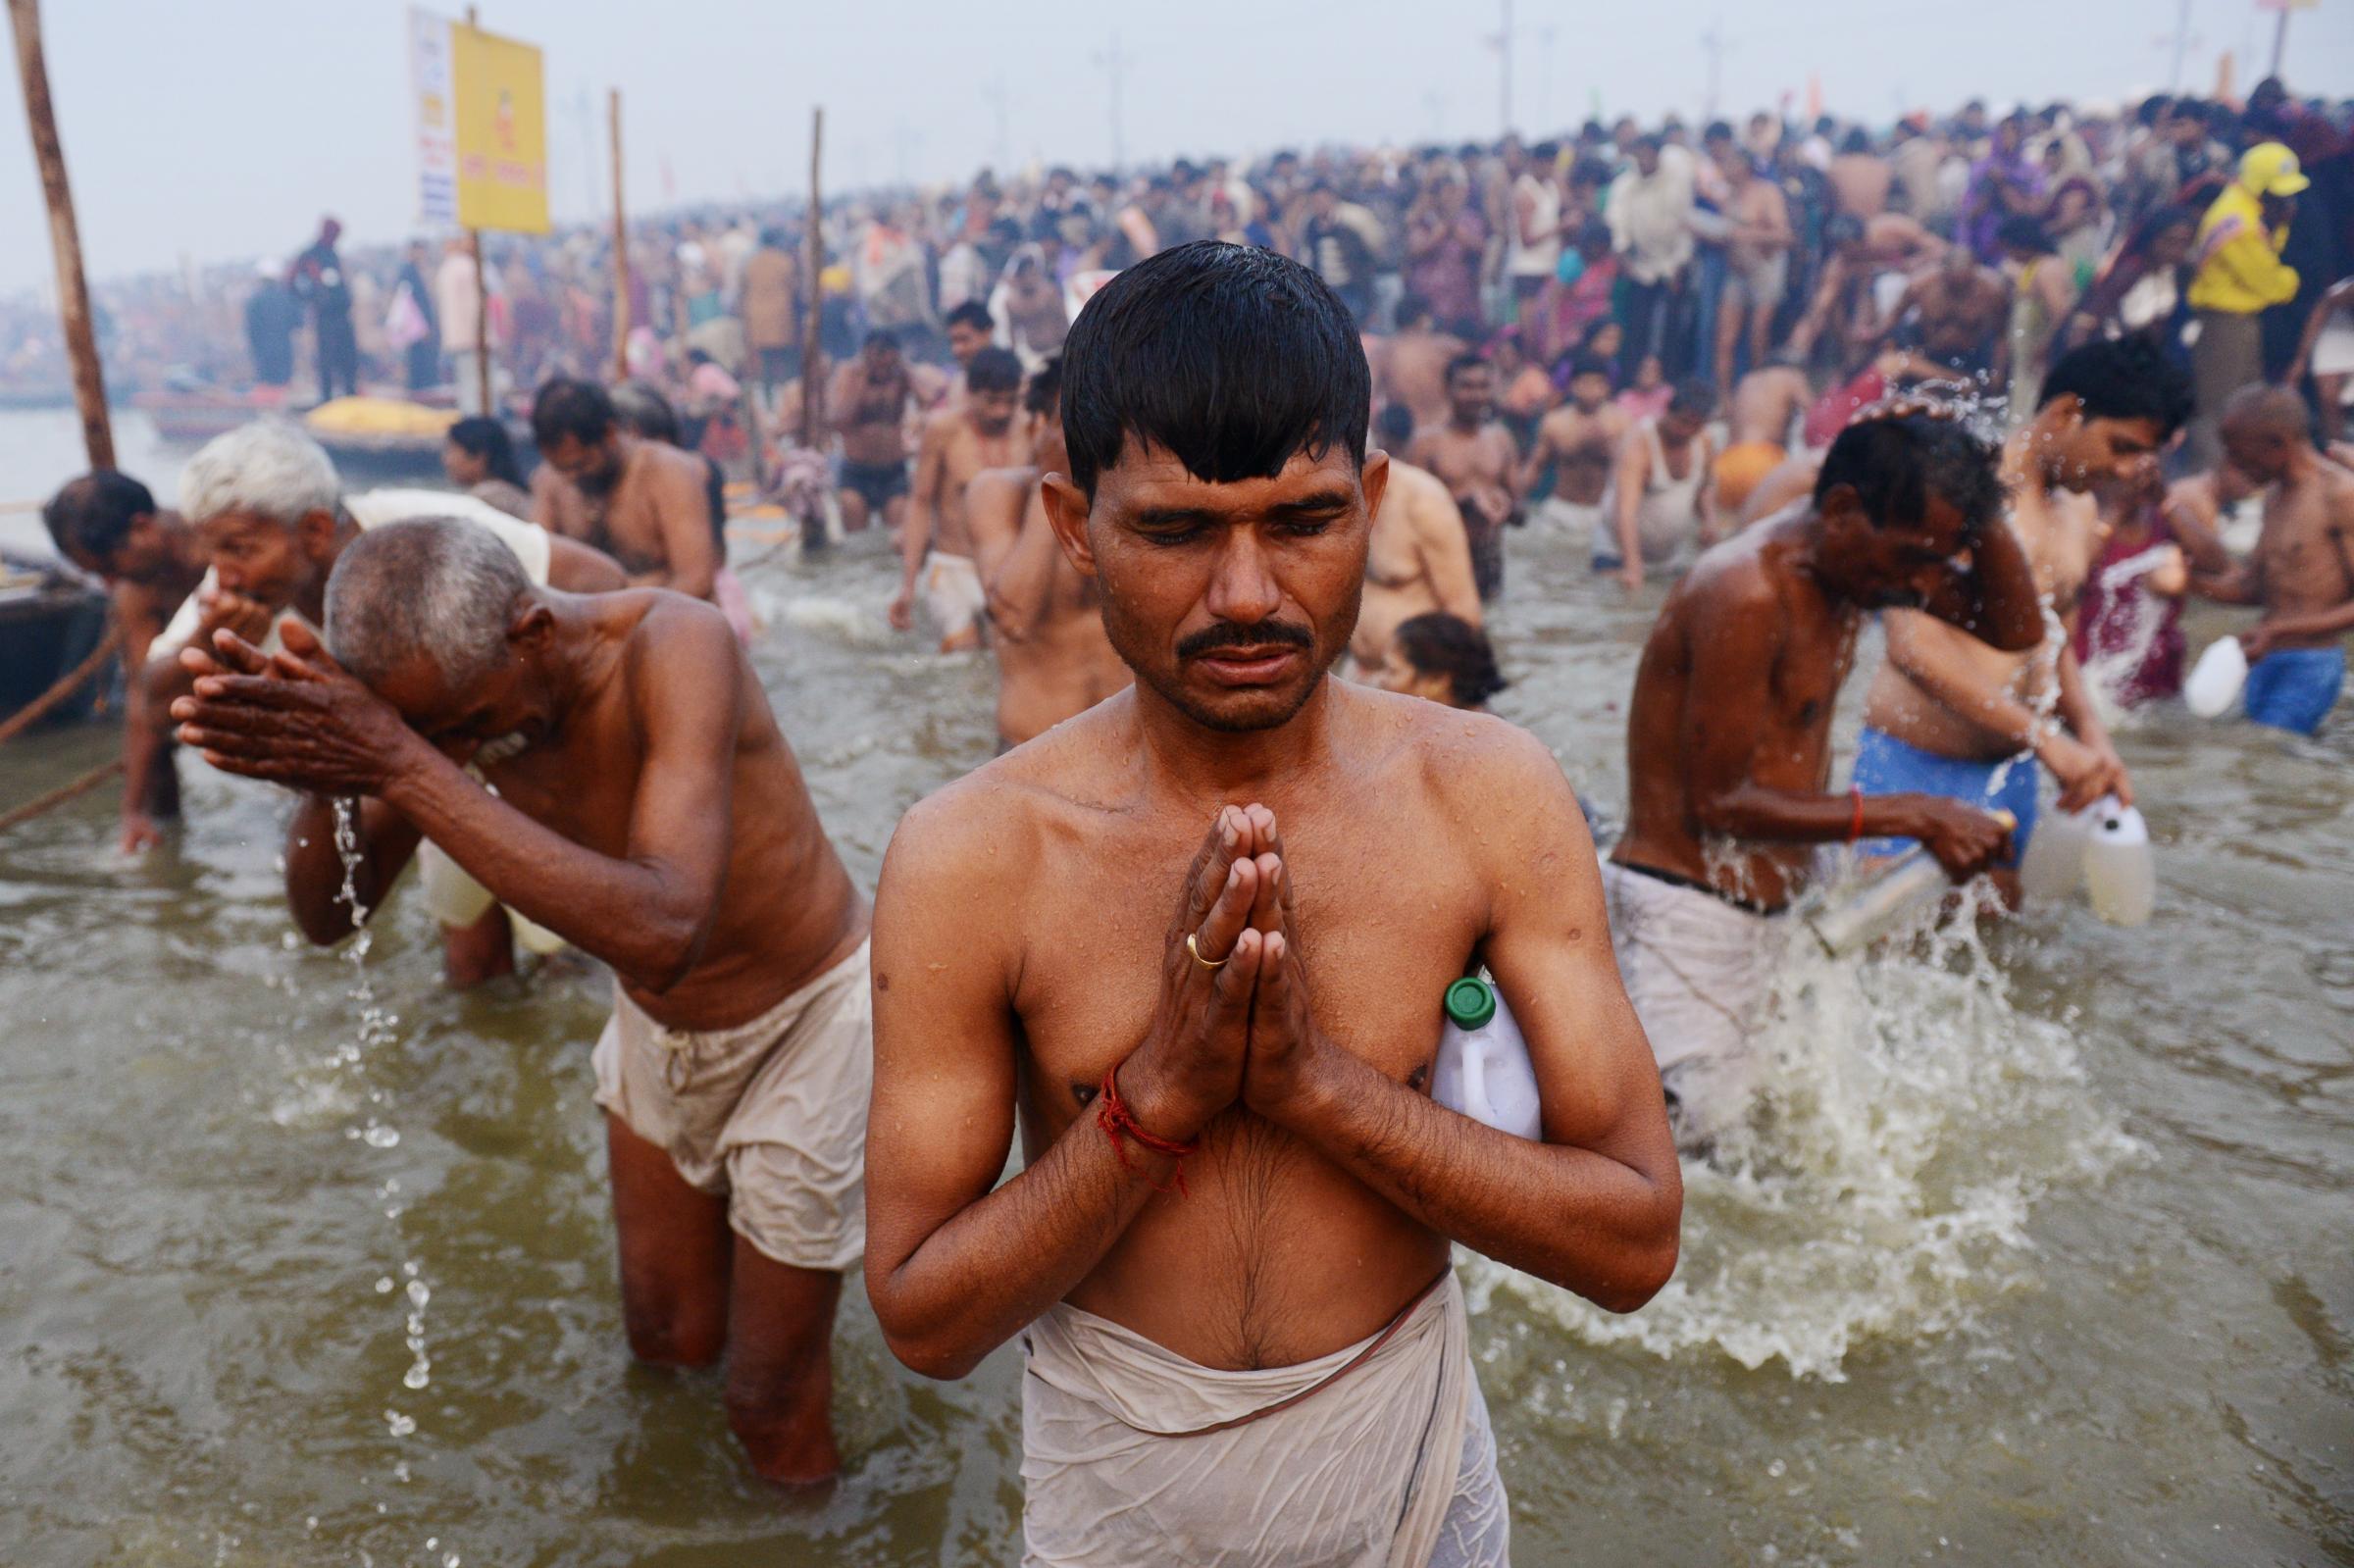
(2240, 274)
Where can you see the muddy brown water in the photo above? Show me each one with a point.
(2040, 1250)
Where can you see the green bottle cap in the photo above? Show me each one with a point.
(1470, 1002)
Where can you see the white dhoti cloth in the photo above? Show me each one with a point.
(952, 592)
(457, 899)
(1698, 970)
(1133, 1455)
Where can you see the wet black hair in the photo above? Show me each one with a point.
(1409, 309)
(1395, 425)
(993, 370)
(1589, 364)
(2129, 378)
(1465, 361)
(1231, 357)
(480, 436)
(644, 411)
(92, 515)
(1438, 643)
(1895, 463)
(1693, 395)
(1841, 229)
(972, 313)
(1717, 130)
(879, 338)
(569, 406)
(1045, 390)
(1858, 139)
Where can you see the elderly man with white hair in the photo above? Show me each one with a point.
(266, 503)
(648, 807)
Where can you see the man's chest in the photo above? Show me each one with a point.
(1378, 933)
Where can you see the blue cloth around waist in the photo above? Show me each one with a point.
(2294, 688)
(1887, 766)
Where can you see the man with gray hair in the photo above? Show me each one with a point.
(645, 806)
(272, 520)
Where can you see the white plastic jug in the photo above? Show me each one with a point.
(2214, 680)
(2118, 868)
(2053, 866)
(1483, 1069)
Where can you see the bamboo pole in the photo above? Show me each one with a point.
(481, 293)
(65, 238)
(621, 250)
(813, 384)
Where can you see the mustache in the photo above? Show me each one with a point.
(1234, 634)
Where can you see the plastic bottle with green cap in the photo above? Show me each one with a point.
(1483, 1069)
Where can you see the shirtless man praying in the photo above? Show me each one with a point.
(1225, 1254)
(1418, 559)
(1728, 742)
(2303, 570)
(1046, 619)
(274, 519)
(644, 503)
(644, 805)
(1473, 456)
(975, 433)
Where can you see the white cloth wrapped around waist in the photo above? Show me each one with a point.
(1132, 1454)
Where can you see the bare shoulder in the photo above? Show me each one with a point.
(1498, 789)
(1737, 577)
(987, 829)
(669, 632)
(1416, 488)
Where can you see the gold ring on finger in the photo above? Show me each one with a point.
(1195, 951)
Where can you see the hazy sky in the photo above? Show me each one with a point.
(226, 130)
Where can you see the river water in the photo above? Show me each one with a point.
(2040, 1250)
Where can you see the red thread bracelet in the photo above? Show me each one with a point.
(1117, 1121)
(1854, 826)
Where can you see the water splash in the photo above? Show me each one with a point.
(1908, 1121)
(378, 1030)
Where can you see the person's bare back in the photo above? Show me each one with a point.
(1414, 374)
(1419, 559)
(1046, 619)
(1766, 402)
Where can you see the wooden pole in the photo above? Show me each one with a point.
(65, 238)
(481, 294)
(621, 251)
(481, 325)
(2281, 39)
(813, 384)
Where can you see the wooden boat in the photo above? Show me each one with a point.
(48, 625)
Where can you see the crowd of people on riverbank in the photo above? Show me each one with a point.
(1806, 374)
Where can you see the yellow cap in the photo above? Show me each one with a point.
(2269, 169)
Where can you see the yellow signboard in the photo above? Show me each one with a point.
(501, 123)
